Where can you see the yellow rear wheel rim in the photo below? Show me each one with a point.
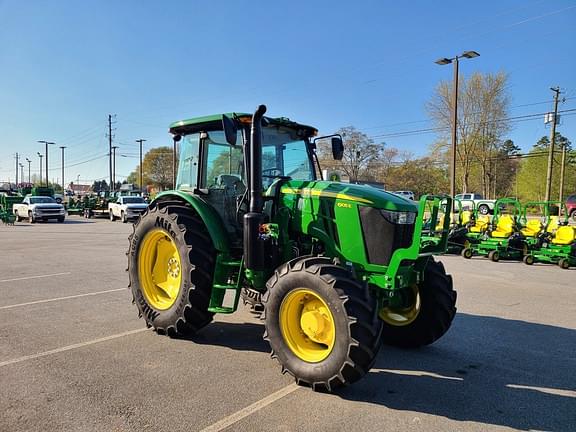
(402, 316)
(307, 325)
(159, 269)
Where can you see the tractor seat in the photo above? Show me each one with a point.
(504, 228)
(481, 224)
(532, 228)
(553, 224)
(565, 235)
(465, 217)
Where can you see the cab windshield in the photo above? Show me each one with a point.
(284, 154)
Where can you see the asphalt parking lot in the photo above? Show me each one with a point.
(75, 357)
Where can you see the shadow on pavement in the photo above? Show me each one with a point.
(236, 336)
(487, 370)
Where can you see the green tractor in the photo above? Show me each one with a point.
(335, 268)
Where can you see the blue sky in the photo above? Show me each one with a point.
(66, 65)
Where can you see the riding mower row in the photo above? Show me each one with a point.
(511, 235)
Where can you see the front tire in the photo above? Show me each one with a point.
(123, 217)
(31, 218)
(171, 267)
(322, 324)
(112, 218)
(436, 308)
(466, 253)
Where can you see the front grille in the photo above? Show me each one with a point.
(382, 238)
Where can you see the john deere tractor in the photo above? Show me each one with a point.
(335, 268)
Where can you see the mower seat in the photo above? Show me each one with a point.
(504, 228)
(481, 224)
(565, 235)
(532, 228)
(440, 223)
(465, 217)
(553, 224)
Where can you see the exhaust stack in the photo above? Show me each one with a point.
(253, 245)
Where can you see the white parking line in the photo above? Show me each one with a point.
(34, 277)
(70, 347)
(250, 409)
(61, 298)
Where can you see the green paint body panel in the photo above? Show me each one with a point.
(210, 217)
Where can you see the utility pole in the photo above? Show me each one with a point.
(16, 169)
(556, 91)
(29, 162)
(110, 147)
(40, 156)
(62, 148)
(562, 168)
(140, 141)
(113, 187)
(21, 173)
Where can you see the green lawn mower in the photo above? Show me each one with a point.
(460, 221)
(502, 239)
(335, 268)
(557, 243)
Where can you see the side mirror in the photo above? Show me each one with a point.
(230, 130)
(337, 148)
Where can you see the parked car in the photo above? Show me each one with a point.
(571, 206)
(484, 206)
(127, 207)
(39, 208)
(405, 194)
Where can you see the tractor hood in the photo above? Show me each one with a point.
(359, 194)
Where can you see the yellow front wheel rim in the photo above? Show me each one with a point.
(402, 316)
(307, 325)
(159, 269)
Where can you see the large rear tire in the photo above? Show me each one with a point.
(171, 266)
(322, 324)
(431, 316)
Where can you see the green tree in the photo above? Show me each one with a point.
(483, 104)
(157, 169)
(531, 178)
(360, 154)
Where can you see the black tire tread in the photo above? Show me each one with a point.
(438, 310)
(201, 258)
(363, 322)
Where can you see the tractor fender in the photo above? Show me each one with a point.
(209, 216)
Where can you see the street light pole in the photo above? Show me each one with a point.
(113, 186)
(63, 182)
(21, 173)
(140, 141)
(40, 156)
(29, 162)
(455, 61)
(46, 143)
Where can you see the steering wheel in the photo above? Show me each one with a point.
(271, 175)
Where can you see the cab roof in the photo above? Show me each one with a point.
(214, 122)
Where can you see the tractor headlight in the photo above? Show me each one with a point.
(399, 217)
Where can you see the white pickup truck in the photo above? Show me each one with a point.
(39, 208)
(127, 207)
(484, 206)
